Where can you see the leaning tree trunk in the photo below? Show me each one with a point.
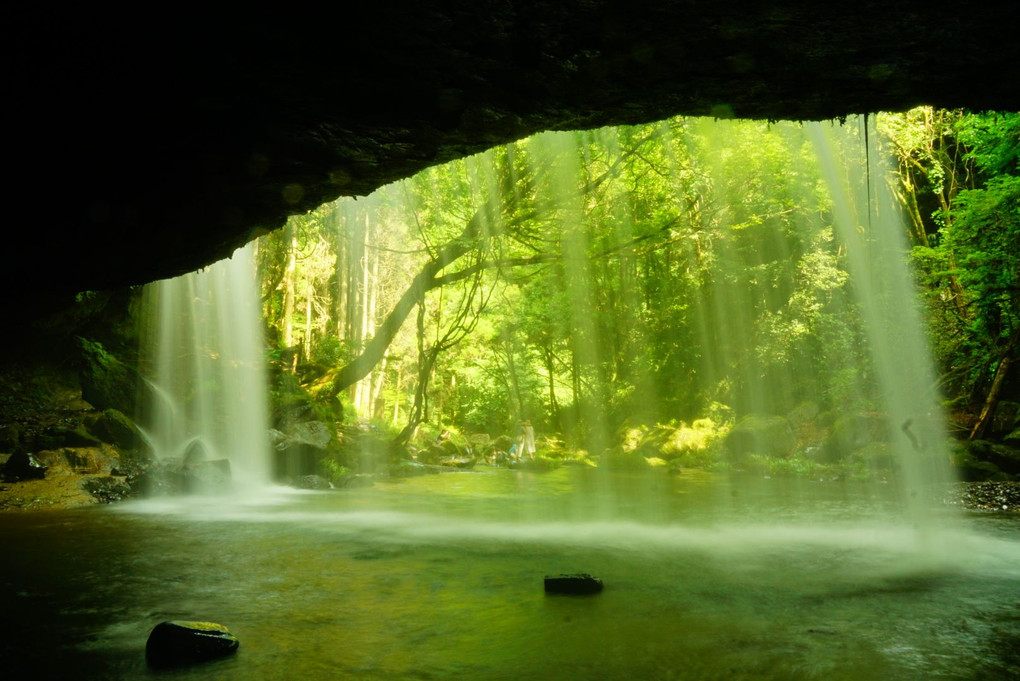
(419, 408)
(992, 400)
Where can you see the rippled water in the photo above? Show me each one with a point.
(440, 577)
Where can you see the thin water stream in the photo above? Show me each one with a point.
(440, 577)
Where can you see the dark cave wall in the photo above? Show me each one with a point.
(146, 148)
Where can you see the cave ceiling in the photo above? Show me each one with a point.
(145, 145)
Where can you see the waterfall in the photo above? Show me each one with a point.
(867, 221)
(207, 366)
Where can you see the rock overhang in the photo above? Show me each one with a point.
(143, 150)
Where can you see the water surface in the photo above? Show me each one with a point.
(440, 577)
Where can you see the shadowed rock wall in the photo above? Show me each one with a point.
(142, 146)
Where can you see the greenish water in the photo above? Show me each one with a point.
(440, 577)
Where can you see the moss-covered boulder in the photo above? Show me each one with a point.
(970, 460)
(54, 438)
(876, 457)
(106, 382)
(299, 449)
(618, 458)
(770, 436)
(852, 432)
(1007, 458)
(114, 427)
(1006, 418)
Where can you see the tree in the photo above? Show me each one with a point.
(969, 263)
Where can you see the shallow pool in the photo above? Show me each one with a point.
(441, 577)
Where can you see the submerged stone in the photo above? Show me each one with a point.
(178, 643)
(578, 584)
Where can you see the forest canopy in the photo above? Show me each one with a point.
(685, 271)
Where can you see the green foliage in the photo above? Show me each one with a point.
(331, 469)
(644, 275)
(971, 272)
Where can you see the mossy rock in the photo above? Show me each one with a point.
(619, 459)
(805, 412)
(1013, 438)
(56, 438)
(1007, 458)
(106, 382)
(114, 427)
(877, 456)
(970, 462)
(852, 432)
(1004, 421)
(769, 436)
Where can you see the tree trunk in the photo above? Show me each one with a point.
(397, 396)
(288, 292)
(992, 400)
(419, 408)
(515, 383)
(308, 320)
(554, 408)
(377, 404)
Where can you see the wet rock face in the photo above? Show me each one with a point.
(158, 150)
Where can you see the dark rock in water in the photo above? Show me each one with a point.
(176, 643)
(24, 466)
(579, 585)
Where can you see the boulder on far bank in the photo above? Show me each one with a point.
(617, 458)
(770, 436)
(298, 449)
(979, 460)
